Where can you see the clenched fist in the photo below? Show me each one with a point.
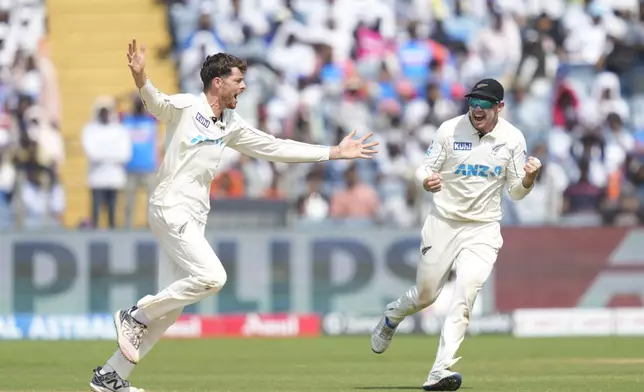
(532, 167)
(433, 183)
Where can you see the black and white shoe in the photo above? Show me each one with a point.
(110, 382)
(129, 334)
(446, 380)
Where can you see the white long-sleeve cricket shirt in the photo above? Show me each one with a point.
(195, 141)
(475, 169)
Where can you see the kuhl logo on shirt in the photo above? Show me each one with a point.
(203, 120)
(462, 146)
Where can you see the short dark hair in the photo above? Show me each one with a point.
(220, 65)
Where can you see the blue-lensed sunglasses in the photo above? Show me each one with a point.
(482, 103)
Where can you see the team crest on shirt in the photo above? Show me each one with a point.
(497, 147)
(202, 120)
(462, 146)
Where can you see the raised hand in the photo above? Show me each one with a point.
(350, 148)
(136, 62)
(532, 167)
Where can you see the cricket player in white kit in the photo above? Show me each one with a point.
(198, 128)
(470, 161)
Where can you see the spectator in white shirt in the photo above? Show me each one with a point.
(51, 147)
(586, 41)
(43, 201)
(499, 46)
(619, 142)
(108, 148)
(606, 99)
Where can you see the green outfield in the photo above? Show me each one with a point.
(490, 363)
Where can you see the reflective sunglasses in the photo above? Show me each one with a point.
(482, 103)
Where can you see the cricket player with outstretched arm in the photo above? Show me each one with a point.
(198, 128)
(467, 165)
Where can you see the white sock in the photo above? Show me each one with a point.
(120, 365)
(106, 369)
(140, 317)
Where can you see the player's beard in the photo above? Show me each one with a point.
(232, 100)
(483, 120)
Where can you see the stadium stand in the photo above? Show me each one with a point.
(320, 68)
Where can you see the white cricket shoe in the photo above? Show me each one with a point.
(110, 382)
(381, 336)
(129, 334)
(445, 380)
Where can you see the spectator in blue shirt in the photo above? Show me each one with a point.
(140, 169)
(415, 56)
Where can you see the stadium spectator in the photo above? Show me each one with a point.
(625, 193)
(275, 190)
(357, 203)
(313, 205)
(108, 148)
(583, 199)
(43, 199)
(228, 184)
(142, 166)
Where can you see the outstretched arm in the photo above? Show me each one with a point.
(157, 103)
(259, 144)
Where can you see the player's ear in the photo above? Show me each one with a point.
(500, 107)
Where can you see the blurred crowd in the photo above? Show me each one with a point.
(31, 146)
(321, 68)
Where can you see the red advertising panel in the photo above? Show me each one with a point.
(246, 325)
(564, 267)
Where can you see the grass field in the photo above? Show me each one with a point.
(490, 363)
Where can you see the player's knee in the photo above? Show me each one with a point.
(426, 297)
(213, 280)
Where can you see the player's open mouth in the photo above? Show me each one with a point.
(478, 116)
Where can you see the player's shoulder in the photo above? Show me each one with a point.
(448, 127)
(234, 120)
(182, 101)
(511, 132)
(231, 115)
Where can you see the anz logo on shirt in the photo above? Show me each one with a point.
(466, 170)
(203, 139)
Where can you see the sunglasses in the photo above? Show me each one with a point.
(482, 103)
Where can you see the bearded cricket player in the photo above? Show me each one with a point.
(198, 129)
(467, 165)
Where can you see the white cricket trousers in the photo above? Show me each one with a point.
(473, 247)
(189, 270)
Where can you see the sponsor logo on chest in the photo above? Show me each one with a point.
(202, 120)
(462, 146)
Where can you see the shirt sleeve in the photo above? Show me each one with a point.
(515, 172)
(434, 157)
(158, 104)
(258, 144)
